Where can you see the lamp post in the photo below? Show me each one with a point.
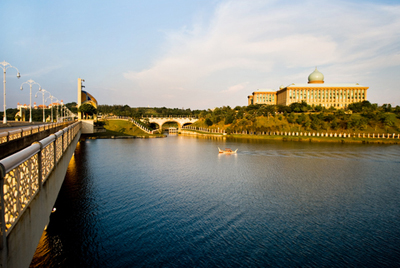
(5, 65)
(51, 105)
(43, 91)
(62, 111)
(30, 82)
(57, 101)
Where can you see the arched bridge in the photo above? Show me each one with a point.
(181, 120)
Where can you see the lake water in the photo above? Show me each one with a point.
(176, 202)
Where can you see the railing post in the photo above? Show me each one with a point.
(62, 142)
(40, 165)
(3, 245)
(55, 150)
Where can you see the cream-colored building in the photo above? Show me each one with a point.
(262, 96)
(316, 92)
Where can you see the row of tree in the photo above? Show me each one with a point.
(302, 117)
(138, 112)
(297, 116)
(37, 114)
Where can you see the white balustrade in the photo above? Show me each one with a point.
(23, 173)
(14, 134)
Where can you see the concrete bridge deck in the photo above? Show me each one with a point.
(13, 139)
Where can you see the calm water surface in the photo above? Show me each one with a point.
(176, 202)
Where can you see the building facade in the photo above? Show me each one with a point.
(261, 96)
(316, 92)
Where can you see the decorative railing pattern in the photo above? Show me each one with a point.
(202, 129)
(23, 173)
(303, 134)
(145, 129)
(171, 116)
(59, 149)
(14, 134)
(47, 155)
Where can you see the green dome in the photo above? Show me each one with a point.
(316, 77)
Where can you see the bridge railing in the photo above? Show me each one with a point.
(6, 136)
(171, 116)
(145, 129)
(116, 117)
(23, 174)
(202, 129)
(301, 134)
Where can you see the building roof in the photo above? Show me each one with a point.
(316, 77)
(86, 97)
(265, 90)
(325, 85)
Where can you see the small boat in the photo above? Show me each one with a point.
(227, 151)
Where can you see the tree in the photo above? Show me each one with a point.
(334, 124)
(229, 119)
(87, 109)
(291, 118)
(318, 108)
(208, 122)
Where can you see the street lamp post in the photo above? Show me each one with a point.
(43, 91)
(30, 82)
(51, 105)
(57, 101)
(58, 104)
(5, 65)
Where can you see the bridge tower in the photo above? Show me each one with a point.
(80, 86)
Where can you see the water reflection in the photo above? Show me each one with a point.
(176, 202)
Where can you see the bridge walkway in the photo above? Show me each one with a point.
(14, 139)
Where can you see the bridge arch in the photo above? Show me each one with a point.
(181, 121)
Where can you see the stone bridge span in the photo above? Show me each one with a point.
(182, 121)
(30, 181)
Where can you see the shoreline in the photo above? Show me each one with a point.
(297, 138)
(92, 137)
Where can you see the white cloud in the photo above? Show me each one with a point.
(235, 88)
(268, 44)
(42, 71)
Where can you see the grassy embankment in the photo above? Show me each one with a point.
(279, 123)
(116, 128)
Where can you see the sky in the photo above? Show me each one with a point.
(196, 54)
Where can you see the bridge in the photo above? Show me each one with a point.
(30, 181)
(181, 120)
(160, 121)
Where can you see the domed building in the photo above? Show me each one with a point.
(316, 77)
(316, 92)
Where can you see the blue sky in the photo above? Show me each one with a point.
(197, 54)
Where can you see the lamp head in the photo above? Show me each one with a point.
(40, 88)
(35, 95)
(18, 75)
(21, 88)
